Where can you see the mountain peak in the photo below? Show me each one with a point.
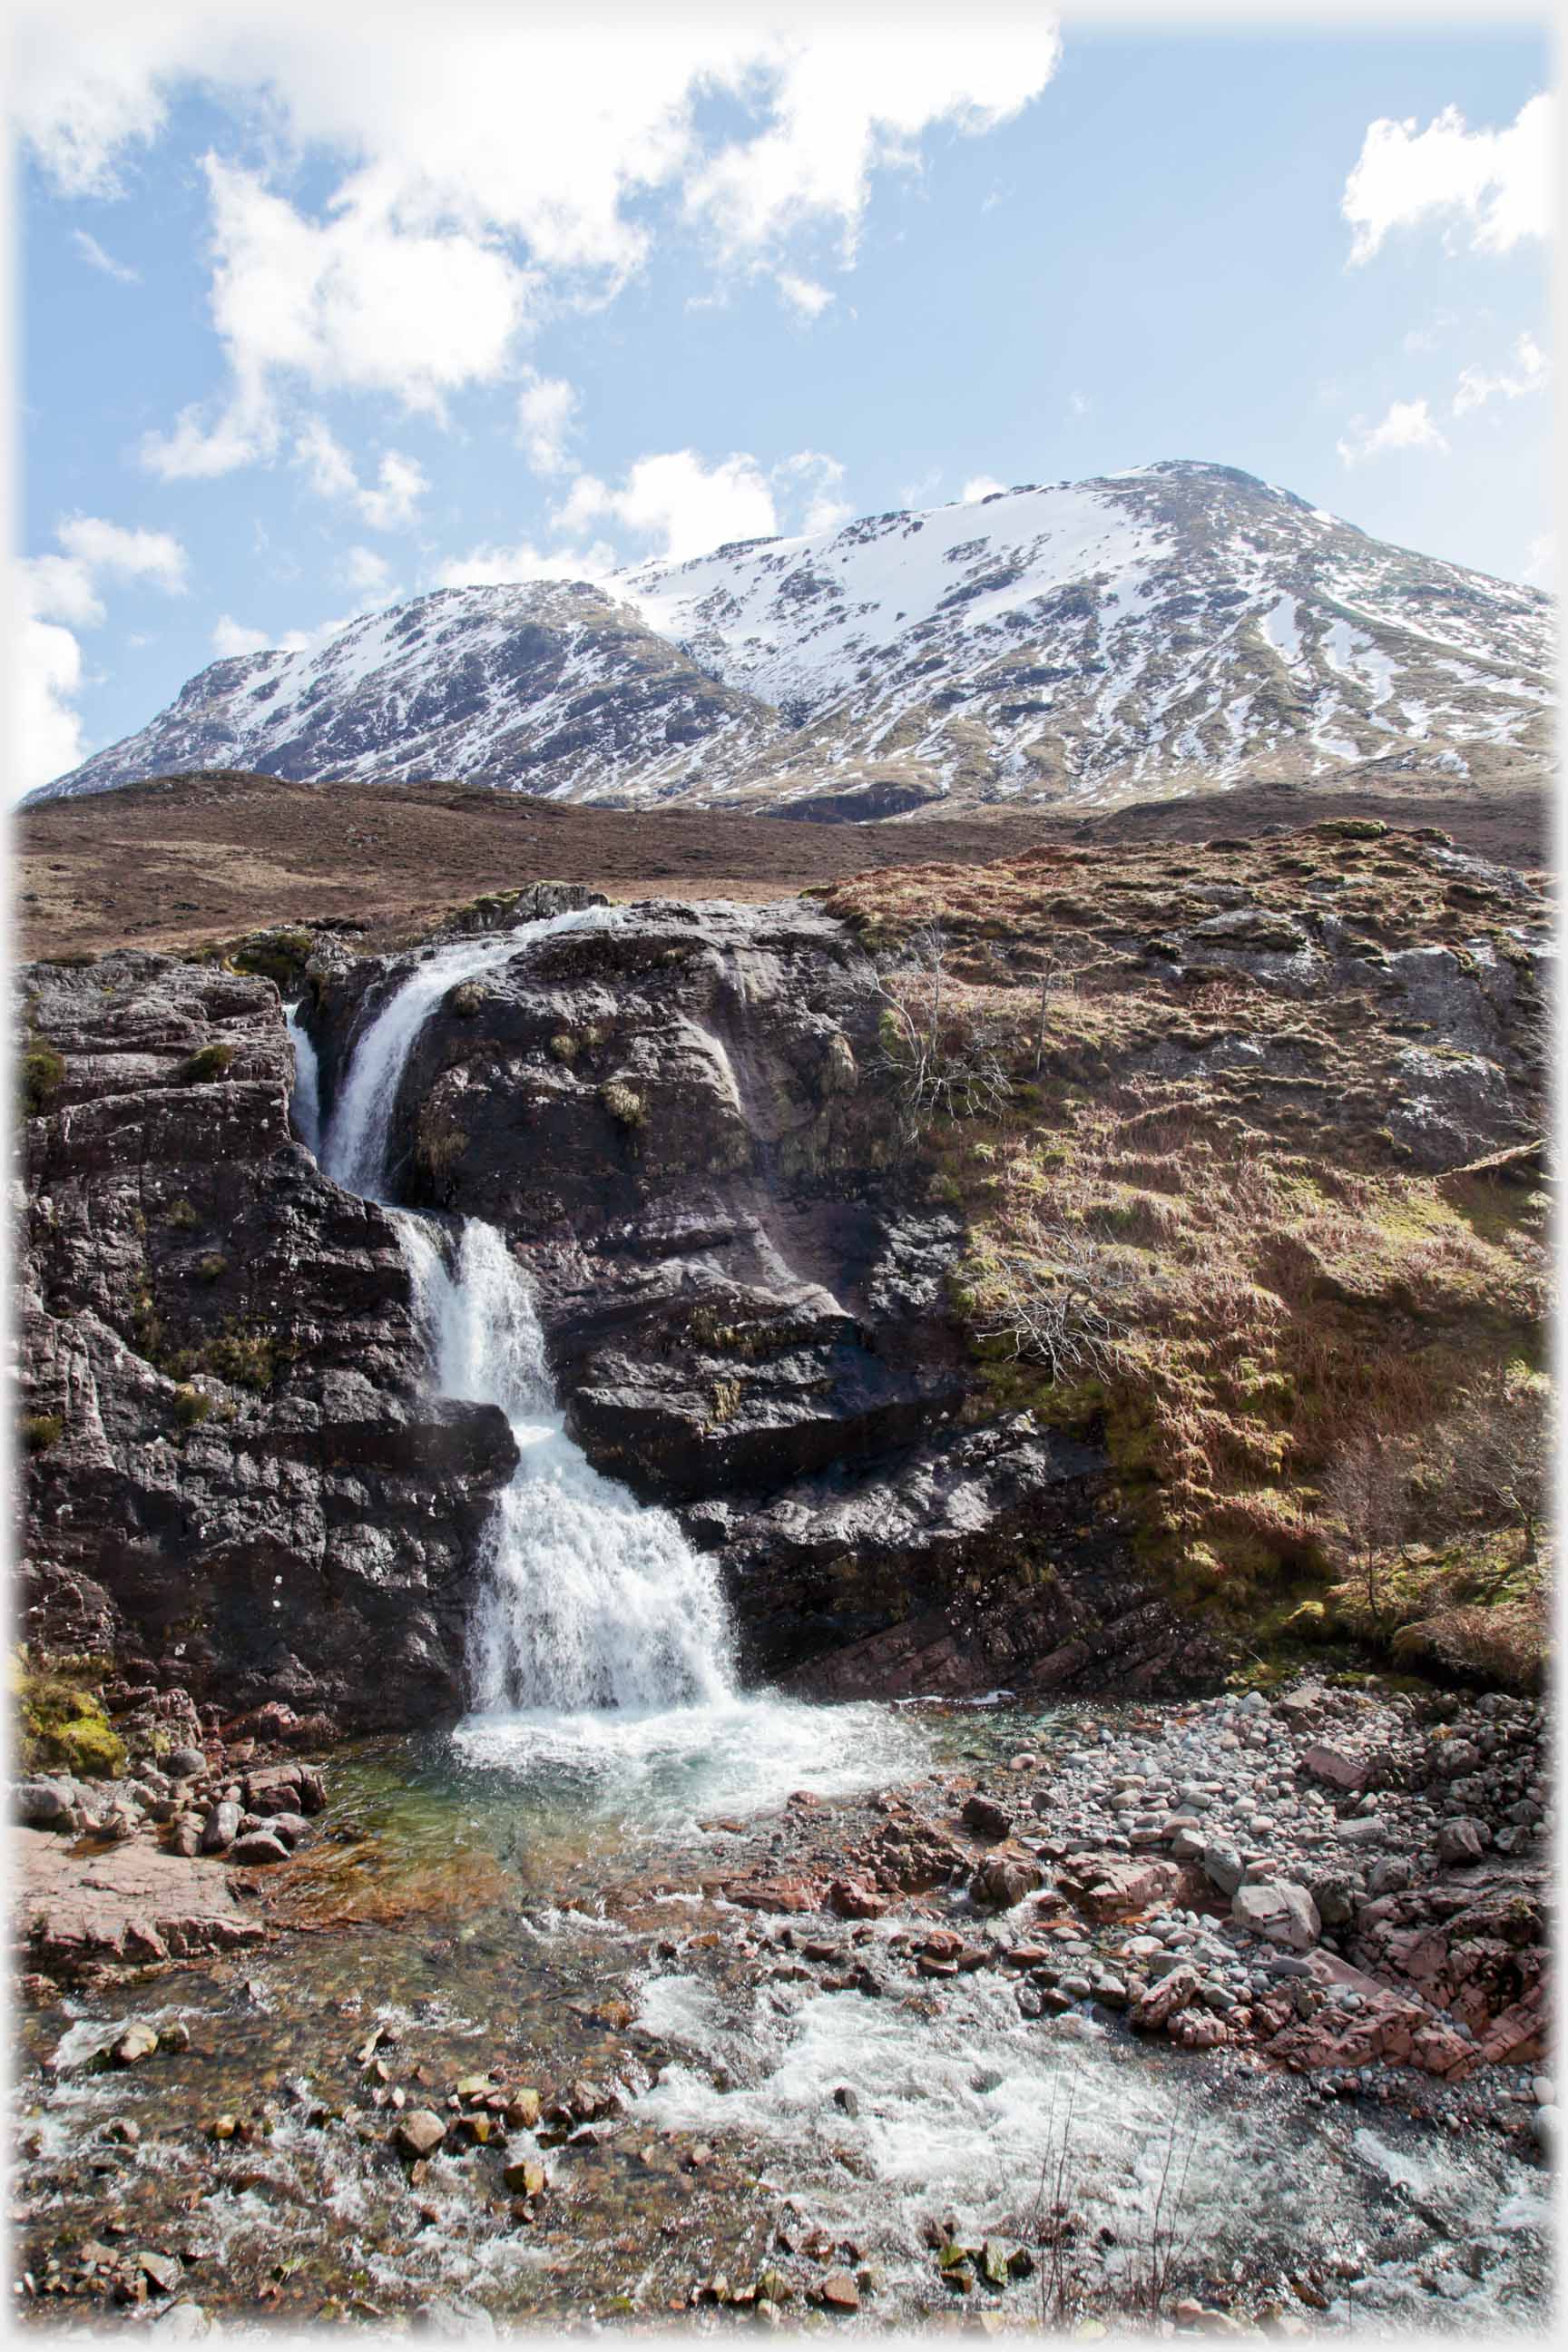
(1169, 628)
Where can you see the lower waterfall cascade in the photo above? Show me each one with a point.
(591, 1601)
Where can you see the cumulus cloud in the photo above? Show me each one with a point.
(545, 408)
(980, 486)
(369, 572)
(684, 507)
(1409, 425)
(843, 100)
(803, 294)
(389, 503)
(91, 250)
(360, 302)
(46, 735)
(1476, 387)
(509, 567)
(57, 593)
(817, 479)
(1496, 183)
(480, 158)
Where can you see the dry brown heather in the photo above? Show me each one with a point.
(1278, 1276)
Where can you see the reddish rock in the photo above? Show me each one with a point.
(130, 1903)
(854, 1898)
(1336, 1768)
(1153, 2011)
(773, 1894)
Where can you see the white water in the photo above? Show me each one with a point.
(305, 1105)
(602, 1646)
(355, 1144)
(591, 1601)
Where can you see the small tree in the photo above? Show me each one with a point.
(1496, 1452)
(1367, 1492)
(945, 1059)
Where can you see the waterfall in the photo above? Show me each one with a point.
(590, 1600)
(356, 1141)
(305, 1106)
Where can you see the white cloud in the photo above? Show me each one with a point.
(360, 302)
(545, 408)
(45, 731)
(1540, 563)
(509, 567)
(1079, 403)
(61, 588)
(979, 485)
(1476, 387)
(845, 100)
(1497, 181)
(686, 507)
(388, 504)
(91, 250)
(230, 637)
(369, 572)
(818, 477)
(481, 152)
(1409, 425)
(803, 294)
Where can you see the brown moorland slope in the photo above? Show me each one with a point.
(1249, 1137)
(187, 861)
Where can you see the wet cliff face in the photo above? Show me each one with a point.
(234, 1485)
(238, 1485)
(681, 1123)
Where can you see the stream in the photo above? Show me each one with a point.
(537, 1896)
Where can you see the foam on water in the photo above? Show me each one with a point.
(969, 2110)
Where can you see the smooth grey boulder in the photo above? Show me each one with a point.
(1279, 1911)
(47, 1805)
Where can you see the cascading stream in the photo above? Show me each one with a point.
(591, 1601)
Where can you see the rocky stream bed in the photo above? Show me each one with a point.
(1226, 2013)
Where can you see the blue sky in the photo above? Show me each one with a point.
(312, 322)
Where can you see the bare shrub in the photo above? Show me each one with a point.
(945, 1056)
(1051, 1291)
(1494, 1453)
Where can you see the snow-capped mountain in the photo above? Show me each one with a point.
(1145, 634)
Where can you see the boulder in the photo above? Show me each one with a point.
(47, 1805)
(418, 2134)
(986, 1818)
(1462, 1842)
(259, 1847)
(1279, 1911)
(1336, 1768)
(1003, 1878)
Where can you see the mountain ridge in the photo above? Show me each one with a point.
(1083, 646)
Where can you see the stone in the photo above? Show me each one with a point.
(290, 1827)
(1279, 1910)
(1335, 1767)
(162, 2272)
(47, 1805)
(856, 1898)
(837, 2292)
(525, 2177)
(418, 2134)
(986, 1818)
(1152, 2009)
(1222, 1867)
(259, 1847)
(139, 2041)
(1462, 1842)
(1003, 1878)
(221, 1827)
(185, 1764)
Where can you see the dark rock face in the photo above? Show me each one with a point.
(679, 1122)
(674, 1121)
(236, 1485)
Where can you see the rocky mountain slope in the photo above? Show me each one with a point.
(1175, 628)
